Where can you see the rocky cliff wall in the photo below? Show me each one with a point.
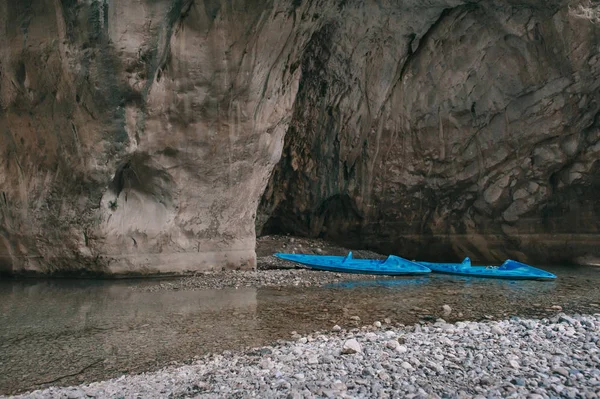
(468, 130)
(139, 136)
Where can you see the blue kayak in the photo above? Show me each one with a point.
(392, 266)
(510, 269)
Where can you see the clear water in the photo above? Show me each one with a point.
(63, 332)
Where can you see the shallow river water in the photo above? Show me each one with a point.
(64, 332)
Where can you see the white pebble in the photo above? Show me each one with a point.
(351, 346)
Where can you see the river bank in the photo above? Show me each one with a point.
(535, 358)
(68, 332)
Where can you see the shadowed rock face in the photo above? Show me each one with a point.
(139, 136)
(468, 131)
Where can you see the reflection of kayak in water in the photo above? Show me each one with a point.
(392, 266)
(510, 269)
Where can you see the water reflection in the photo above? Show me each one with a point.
(386, 282)
(503, 285)
(466, 281)
(57, 305)
(49, 329)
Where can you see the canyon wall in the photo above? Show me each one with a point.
(470, 132)
(138, 136)
(147, 136)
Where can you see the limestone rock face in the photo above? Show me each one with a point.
(139, 136)
(448, 130)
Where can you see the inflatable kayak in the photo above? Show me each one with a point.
(392, 266)
(510, 269)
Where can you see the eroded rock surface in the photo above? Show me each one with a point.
(439, 132)
(139, 136)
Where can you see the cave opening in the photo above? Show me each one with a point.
(336, 219)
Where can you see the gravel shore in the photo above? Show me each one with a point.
(299, 277)
(520, 358)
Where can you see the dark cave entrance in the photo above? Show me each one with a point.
(336, 219)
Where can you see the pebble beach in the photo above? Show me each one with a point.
(557, 357)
